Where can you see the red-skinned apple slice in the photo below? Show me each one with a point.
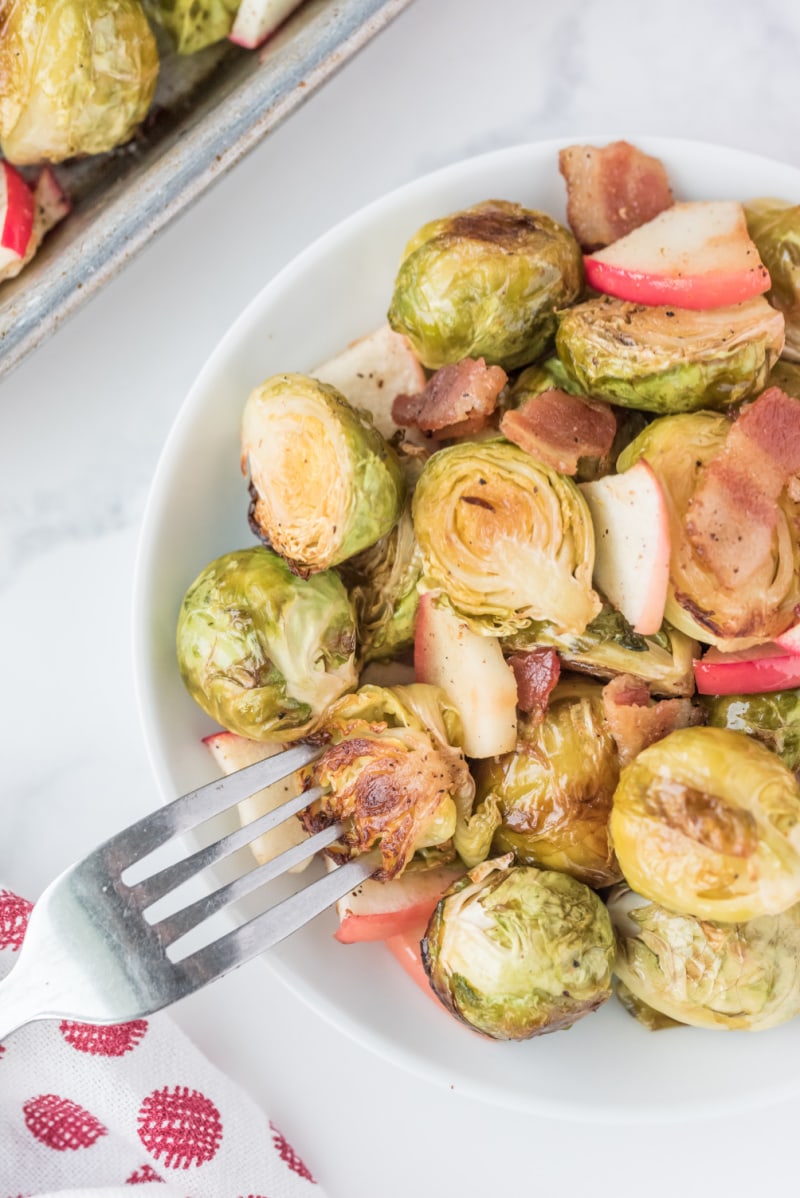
(380, 910)
(231, 753)
(16, 216)
(632, 544)
(257, 19)
(372, 372)
(748, 671)
(695, 255)
(472, 671)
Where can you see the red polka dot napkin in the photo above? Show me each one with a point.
(91, 1111)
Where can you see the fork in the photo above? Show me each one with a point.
(91, 954)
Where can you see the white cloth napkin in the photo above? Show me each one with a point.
(88, 1111)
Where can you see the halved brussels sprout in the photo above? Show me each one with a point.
(485, 283)
(506, 539)
(669, 360)
(325, 484)
(263, 652)
(77, 76)
(515, 951)
(608, 646)
(555, 789)
(774, 226)
(677, 448)
(194, 24)
(648, 1016)
(786, 376)
(392, 772)
(707, 822)
(708, 974)
(773, 719)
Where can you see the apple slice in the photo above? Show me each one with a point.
(52, 202)
(472, 671)
(372, 372)
(747, 671)
(379, 910)
(231, 753)
(17, 209)
(257, 19)
(632, 544)
(694, 255)
(405, 949)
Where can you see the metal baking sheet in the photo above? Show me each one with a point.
(209, 110)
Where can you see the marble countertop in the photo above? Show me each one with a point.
(83, 423)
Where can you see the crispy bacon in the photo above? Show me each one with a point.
(732, 515)
(636, 721)
(537, 672)
(457, 400)
(611, 190)
(559, 428)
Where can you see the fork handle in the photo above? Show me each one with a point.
(16, 1003)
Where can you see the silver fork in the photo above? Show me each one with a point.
(91, 954)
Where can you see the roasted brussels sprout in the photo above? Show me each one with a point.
(774, 226)
(773, 719)
(608, 646)
(263, 652)
(194, 24)
(648, 1016)
(708, 974)
(515, 951)
(707, 822)
(555, 789)
(669, 360)
(485, 283)
(506, 539)
(678, 448)
(325, 484)
(786, 376)
(77, 76)
(392, 772)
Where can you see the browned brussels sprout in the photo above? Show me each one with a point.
(555, 789)
(485, 283)
(515, 951)
(77, 76)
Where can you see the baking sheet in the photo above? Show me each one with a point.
(209, 110)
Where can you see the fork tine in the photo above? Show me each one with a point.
(194, 808)
(161, 883)
(174, 926)
(274, 925)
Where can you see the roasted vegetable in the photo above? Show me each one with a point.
(773, 719)
(325, 484)
(515, 951)
(506, 539)
(382, 582)
(708, 974)
(774, 226)
(263, 652)
(194, 24)
(669, 360)
(707, 822)
(77, 76)
(608, 646)
(555, 789)
(678, 448)
(393, 772)
(485, 283)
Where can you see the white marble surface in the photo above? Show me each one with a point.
(81, 426)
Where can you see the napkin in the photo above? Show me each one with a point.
(91, 1111)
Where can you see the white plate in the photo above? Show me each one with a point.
(607, 1068)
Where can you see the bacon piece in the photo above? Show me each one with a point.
(731, 518)
(559, 428)
(457, 400)
(537, 672)
(636, 721)
(611, 190)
